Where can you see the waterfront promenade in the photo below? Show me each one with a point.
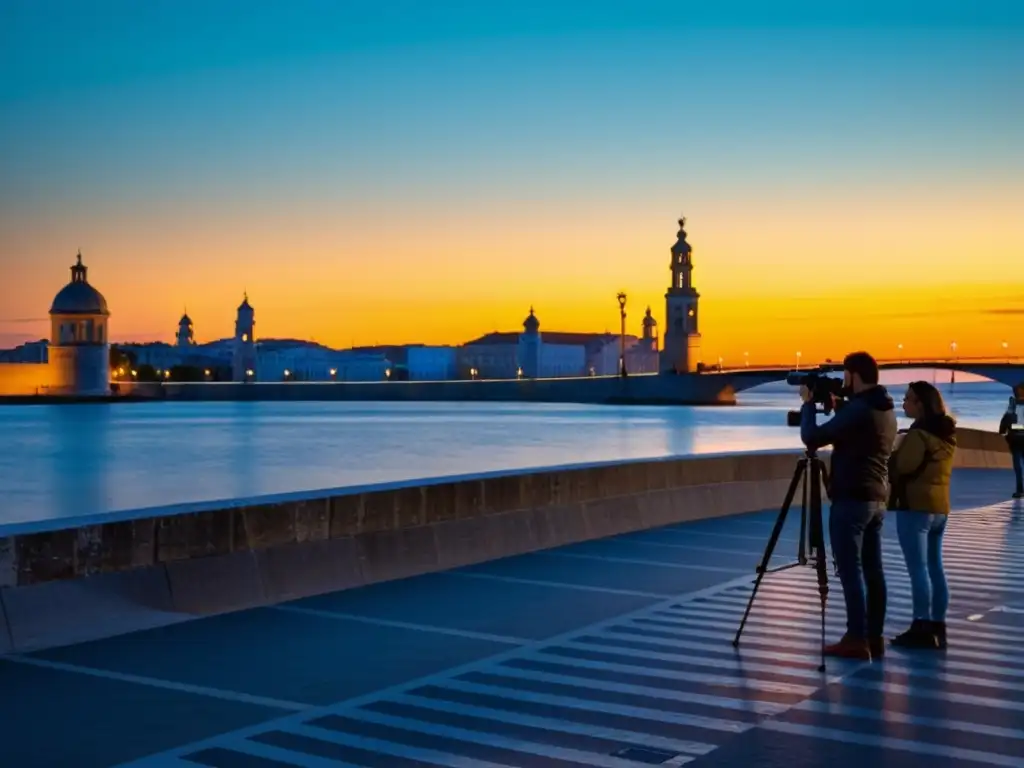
(613, 652)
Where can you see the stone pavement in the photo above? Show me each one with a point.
(609, 653)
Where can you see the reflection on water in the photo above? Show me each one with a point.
(58, 461)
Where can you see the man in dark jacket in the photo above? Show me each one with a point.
(1012, 427)
(862, 434)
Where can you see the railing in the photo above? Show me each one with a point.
(903, 362)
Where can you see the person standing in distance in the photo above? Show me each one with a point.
(862, 435)
(1012, 427)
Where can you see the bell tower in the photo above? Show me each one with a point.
(244, 357)
(186, 336)
(682, 334)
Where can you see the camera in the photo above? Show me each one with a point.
(825, 391)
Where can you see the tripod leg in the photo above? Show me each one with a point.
(814, 482)
(780, 522)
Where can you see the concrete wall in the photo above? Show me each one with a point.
(24, 378)
(639, 390)
(61, 585)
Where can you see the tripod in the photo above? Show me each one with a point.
(811, 470)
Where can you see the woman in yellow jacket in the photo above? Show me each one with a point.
(920, 471)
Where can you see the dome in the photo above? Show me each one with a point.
(78, 297)
(681, 245)
(531, 324)
(185, 320)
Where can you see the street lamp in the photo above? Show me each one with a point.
(900, 348)
(287, 374)
(746, 359)
(621, 296)
(719, 362)
(952, 348)
(798, 356)
(1006, 350)
(334, 373)
(519, 372)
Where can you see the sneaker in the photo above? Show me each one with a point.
(876, 645)
(850, 647)
(920, 635)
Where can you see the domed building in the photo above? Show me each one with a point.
(79, 353)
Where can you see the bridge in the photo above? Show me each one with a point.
(1004, 370)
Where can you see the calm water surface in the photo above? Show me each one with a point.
(63, 461)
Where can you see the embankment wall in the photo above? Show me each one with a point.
(63, 582)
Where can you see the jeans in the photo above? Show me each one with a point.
(920, 535)
(855, 529)
(1018, 466)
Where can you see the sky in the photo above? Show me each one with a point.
(400, 171)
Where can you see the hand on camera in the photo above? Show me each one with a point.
(805, 394)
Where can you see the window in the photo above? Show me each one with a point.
(245, 337)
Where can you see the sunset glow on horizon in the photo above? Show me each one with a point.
(411, 175)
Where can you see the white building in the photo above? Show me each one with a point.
(79, 350)
(431, 363)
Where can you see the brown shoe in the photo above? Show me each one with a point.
(877, 647)
(849, 647)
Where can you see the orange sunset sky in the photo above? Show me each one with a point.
(431, 178)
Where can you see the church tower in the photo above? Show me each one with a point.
(649, 339)
(682, 335)
(186, 335)
(529, 347)
(244, 357)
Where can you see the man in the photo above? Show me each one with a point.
(862, 434)
(1012, 427)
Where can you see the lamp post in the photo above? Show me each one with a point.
(798, 356)
(952, 349)
(622, 333)
(900, 348)
(746, 359)
(1006, 350)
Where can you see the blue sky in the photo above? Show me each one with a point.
(185, 142)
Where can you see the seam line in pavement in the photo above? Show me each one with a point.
(152, 682)
(339, 616)
(559, 584)
(299, 719)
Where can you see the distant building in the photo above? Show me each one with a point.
(426, 363)
(682, 335)
(243, 366)
(76, 361)
(186, 333)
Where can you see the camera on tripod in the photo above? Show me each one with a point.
(825, 391)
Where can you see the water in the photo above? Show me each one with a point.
(68, 461)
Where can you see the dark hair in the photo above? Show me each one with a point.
(863, 365)
(929, 397)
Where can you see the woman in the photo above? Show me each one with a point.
(920, 472)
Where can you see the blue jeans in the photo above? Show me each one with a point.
(855, 529)
(920, 535)
(1018, 466)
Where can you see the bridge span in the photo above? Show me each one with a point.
(1008, 371)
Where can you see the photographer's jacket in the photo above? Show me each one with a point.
(862, 434)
